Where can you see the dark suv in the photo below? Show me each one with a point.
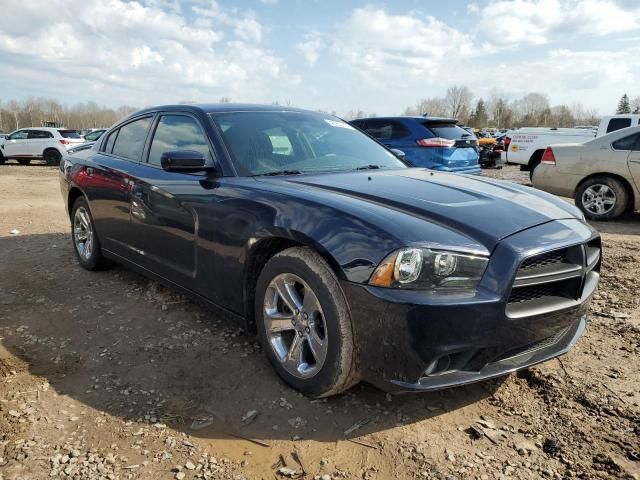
(431, 142)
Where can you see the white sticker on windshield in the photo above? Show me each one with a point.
(335, 123)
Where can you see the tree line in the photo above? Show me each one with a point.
(496, 110)
(532, 110)
(33, 111)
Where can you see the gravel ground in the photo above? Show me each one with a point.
(108, 375)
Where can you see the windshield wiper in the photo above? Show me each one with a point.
(368, 167)
(278, 172)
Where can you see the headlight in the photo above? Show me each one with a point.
(426, 269)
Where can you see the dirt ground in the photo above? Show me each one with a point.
(109, 375)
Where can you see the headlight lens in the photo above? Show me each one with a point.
(427, 269)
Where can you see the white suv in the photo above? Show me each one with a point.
(28, 144)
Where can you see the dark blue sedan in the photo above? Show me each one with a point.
(429, 142)
(348, 264)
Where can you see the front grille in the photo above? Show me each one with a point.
(532, 292)
(543, 260)
(552, 280)
(532, 347)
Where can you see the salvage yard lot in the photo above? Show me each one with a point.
(110, 375)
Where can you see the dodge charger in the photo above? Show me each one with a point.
(348, 264)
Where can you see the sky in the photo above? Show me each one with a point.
(334, 55)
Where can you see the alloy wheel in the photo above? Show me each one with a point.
(599, 199)
(295, 325)
(83, 233)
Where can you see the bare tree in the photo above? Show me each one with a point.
(458, 100)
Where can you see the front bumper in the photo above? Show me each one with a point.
(409, 340)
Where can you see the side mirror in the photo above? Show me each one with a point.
(398, 153)
(183, 161)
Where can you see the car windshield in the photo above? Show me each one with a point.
(69, 133)
(271, 143)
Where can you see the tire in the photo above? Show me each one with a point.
(2, 159)
(534, 161)
(332, 368)
(52, 157)
(24, 161)
(602, 198)
(87, 252)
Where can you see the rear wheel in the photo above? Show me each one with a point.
(52, 157)
(602, 198)
(24, 161)
(84, 237)
(304, 323)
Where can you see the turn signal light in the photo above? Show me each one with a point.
(548, 157)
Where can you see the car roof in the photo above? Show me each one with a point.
(220, 108)
(414, 117)
(46, 129)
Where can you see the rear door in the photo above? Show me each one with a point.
(107, 180)
(38, 140)
(161, 203)
(16, 144)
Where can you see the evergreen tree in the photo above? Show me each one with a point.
(623, 105)
(481, 114)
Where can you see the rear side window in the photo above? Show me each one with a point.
(618, 123)
(35, 134)
(386, 129)
(447, 130)
(69, 134)
(177, 132)
(630, 142)
(131, 138)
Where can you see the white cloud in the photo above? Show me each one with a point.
(136, 53)
(310, 48)
(249, 29)
(372, 40)
(538, 22)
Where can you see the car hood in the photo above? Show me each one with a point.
(484, 209)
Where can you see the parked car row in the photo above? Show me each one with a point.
(43, 143)
(602, 175)
(349, 265)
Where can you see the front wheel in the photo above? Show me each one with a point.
(304, 323)
(85, 240)
(602, 198)
(52, 157)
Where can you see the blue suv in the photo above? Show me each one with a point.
(431, 142)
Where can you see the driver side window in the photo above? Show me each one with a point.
(19, 135)
(178, 132)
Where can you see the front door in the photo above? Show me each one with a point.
(16, 144)
(163, 203)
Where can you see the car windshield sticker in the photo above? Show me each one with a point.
(335, 123)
